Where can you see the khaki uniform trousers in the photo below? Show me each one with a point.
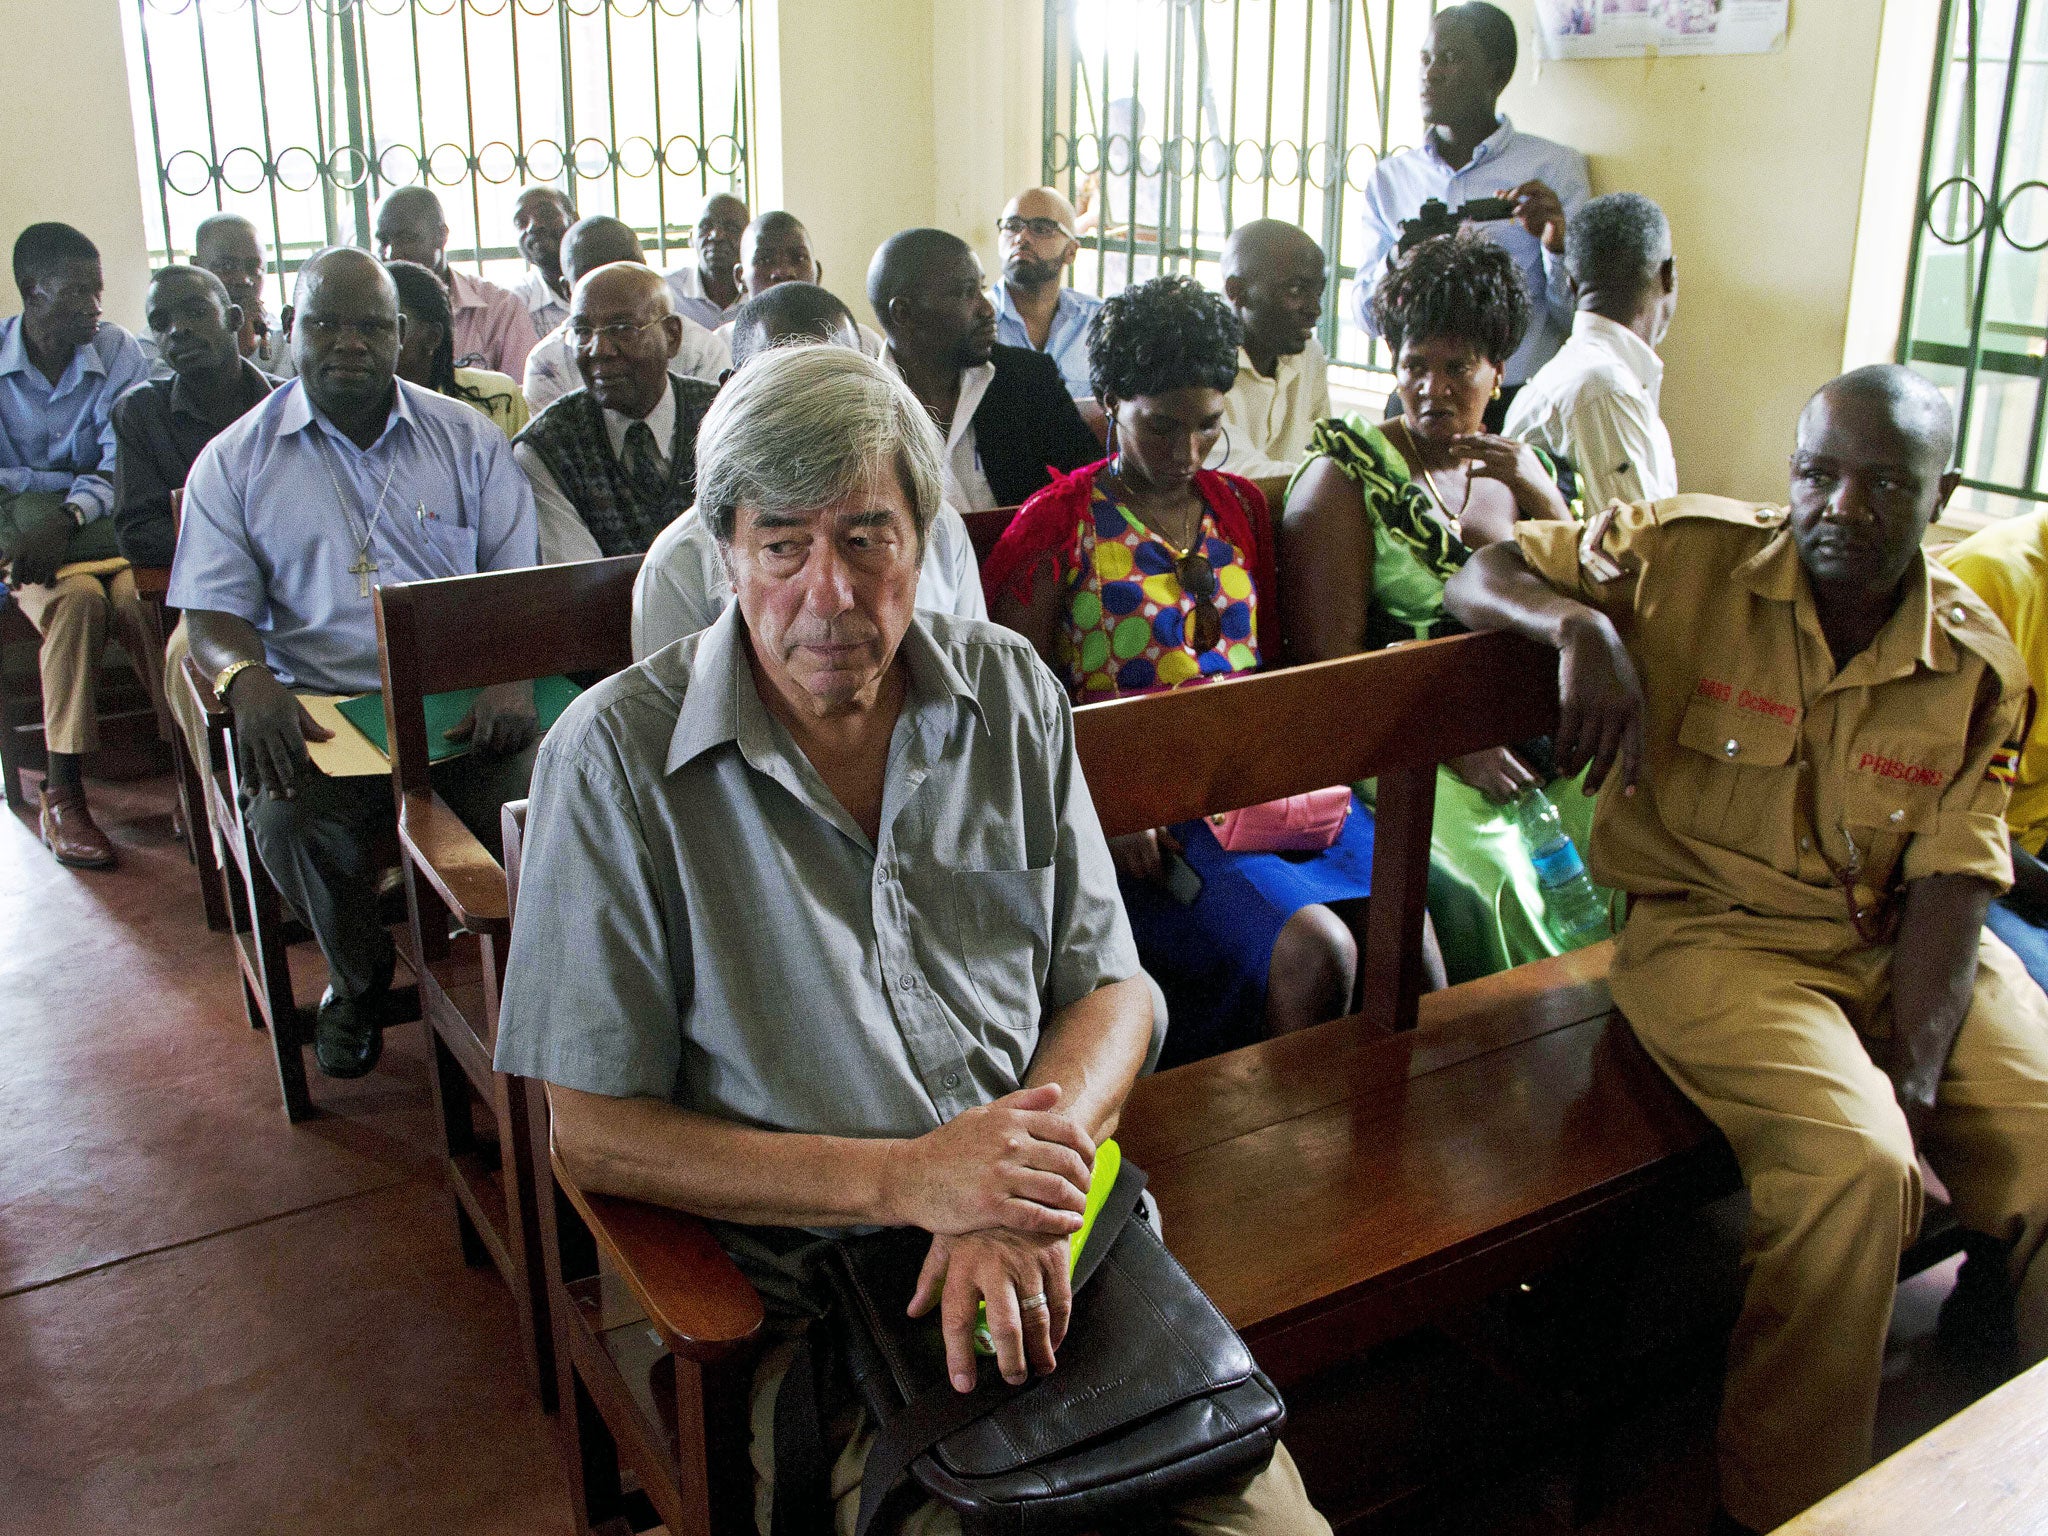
(74, 618)
(1768, 1025)
(178, 698)
(1270, 1503)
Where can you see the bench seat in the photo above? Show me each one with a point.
(1341, 1186)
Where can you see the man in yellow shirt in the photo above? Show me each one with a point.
(2007, 565)
(1797, 723)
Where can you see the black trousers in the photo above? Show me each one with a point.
(320, 847)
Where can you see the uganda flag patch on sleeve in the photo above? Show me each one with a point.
(2004, 767)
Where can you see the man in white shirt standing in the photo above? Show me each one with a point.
(1471, 151)
(1595, 403)
(1273, 275)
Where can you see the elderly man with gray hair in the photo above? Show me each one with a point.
(682, 586)
(850, 950)
(1595, 402)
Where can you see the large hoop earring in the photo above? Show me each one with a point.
(1226, 453)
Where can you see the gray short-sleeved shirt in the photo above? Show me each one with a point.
(700, 921)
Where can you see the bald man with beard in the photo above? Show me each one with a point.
(1036, 238)
(615, 462)
(1273, 276)
(597, 241)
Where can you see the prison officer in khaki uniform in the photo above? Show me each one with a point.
(1811, 723)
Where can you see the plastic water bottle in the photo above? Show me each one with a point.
(1571, 905)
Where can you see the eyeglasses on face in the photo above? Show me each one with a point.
(1042, 229)
(585, 337)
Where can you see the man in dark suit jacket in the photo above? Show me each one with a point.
(1008, 420)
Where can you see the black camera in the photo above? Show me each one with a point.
(1435, 219)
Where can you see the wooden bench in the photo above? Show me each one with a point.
(1331, 1189)
(1982, 1473)
(1336, 1187)
(437, 637)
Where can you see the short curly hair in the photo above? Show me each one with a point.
(1170, 333)
(1461, 285)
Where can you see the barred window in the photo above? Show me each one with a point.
(301, 114)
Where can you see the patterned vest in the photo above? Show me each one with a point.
(571, 440)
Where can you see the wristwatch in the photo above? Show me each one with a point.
(225, 678)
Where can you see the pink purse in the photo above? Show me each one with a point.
(1298, 824)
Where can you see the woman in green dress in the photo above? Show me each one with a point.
(1379, 518)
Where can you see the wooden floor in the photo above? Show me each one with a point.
(213, 1321)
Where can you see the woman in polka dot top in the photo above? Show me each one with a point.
(1145, 572)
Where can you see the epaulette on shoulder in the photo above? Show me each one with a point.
(1720, 509)
(1971, 623)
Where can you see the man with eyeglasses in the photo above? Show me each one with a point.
(341, 481)
(1036, 236)
(551, 370)
(615, 462)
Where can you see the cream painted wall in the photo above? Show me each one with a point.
(895, 113)
(1759, 161)
(67, 147)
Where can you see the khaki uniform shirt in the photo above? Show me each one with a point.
(1906, 747)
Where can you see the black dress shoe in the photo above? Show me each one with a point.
(347, 1037)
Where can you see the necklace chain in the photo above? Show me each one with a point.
(1181, 548)
(369, 532)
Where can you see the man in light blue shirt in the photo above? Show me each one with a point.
(340, 481)
(1472, 151)
(61, 370)
(1036, 233)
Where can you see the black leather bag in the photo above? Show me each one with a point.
(1155, 1397)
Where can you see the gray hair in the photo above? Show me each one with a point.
(1616, 243)
(802, 427)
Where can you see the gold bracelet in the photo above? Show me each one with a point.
(226, 678)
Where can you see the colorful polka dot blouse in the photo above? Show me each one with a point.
(1126, 625)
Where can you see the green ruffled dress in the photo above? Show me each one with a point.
(1484, 896)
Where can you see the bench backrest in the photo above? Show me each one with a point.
(1393, 715)
(499, 627)
(985, 528)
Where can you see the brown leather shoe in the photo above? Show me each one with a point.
(69, 831)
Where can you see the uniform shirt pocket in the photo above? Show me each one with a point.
(1728, 782)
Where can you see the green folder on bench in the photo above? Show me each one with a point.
(551, 695)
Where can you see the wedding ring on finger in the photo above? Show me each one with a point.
(1035, 1303)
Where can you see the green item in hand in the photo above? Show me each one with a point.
(445, 711)
(1109, 1158)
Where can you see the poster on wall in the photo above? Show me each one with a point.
(1629, 29)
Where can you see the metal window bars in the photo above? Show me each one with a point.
(300, 114)
(1976, 311)
(1176, 120)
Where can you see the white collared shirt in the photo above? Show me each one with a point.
(967, 488)
(563, 534)
(1595, 403)
(1268, 421)
(548, 308)
(686, 285)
